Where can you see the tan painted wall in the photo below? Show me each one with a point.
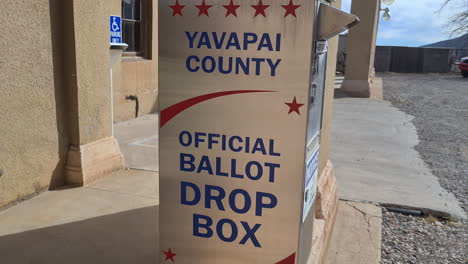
(29, 131)
(360, 47)
(328, 98)
(91, 24)
(138, 77)
(54, 87)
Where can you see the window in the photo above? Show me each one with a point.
(136, 25)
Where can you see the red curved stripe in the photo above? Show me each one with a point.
(289, 260)
(167, 114)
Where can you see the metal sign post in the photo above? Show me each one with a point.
(238, 168)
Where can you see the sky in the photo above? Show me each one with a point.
(413, 23)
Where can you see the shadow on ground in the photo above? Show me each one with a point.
(126, 237)
(340, 94)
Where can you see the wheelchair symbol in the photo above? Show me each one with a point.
(115, 26)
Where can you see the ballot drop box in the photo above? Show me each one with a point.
(241, 87)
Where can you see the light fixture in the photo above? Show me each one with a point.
(388, 2)
(386, 15)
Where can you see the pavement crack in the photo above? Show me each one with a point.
(362, 212)
(367, 218)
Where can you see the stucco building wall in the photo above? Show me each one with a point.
(138, 77)
(55, 104)
(91, 24)
(29, 130)
(360, 49)
(360, 78)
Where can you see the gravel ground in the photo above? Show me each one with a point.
(439, 103)
(408, 239)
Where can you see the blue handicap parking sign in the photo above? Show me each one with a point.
(115, 28)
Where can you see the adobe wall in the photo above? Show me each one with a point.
(30, 140)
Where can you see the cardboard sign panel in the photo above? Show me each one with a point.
(233, 96)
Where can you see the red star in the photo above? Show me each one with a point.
(203, 8)
(169, 255)
(294, 106)
(290, 8)
(177, 9)
(260, 9)
(231, 9)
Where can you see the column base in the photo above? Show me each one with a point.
(325, 213)
(89, 162)
(363, 88)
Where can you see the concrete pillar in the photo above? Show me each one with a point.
(360, 50)
(93, 151)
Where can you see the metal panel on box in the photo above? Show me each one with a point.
(235, 89)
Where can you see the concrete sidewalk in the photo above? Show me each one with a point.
(372, 149)
(138, 141)
(113, 220)
(357, 235)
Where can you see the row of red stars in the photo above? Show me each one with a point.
(231, 8)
